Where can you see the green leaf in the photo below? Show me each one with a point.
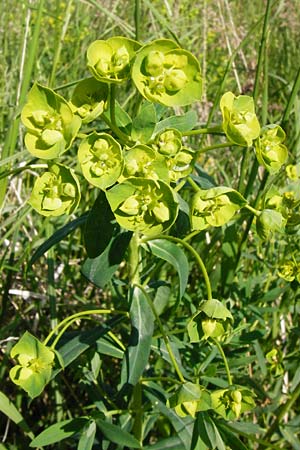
(209, 432)
(87, 437)
(115, 434)
(137, 355)
(100, 270)
(56, 237)
(170, 252)
(289, 434)
(231, 439)
(58, 432)
(8, 408)
(107, 347)
(182, 123)
(99, 228)
(171, 443)
(182, 425)
(144, 123)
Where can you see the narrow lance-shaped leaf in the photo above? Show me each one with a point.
(142, 321)
(173, 254)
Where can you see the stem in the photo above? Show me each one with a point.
(122, 136)
(244, 166)
(213, 147)
(253, 210)
(212, 130)
(218, 345)
(137, 13)
(194, 185)
(51, 281)
(164, 336)
(78, 316)
(133, 259)
(198, 259)
(112, 104)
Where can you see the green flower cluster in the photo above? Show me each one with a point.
(242, 127)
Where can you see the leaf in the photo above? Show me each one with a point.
(142, 321)
(59, 431)
(209, 432)
(98, 227)
(182, 123)
(115, 434)
(182, 425)
(171, 443)
(56, 237)
(289, 434)
(9, 409)
(87, 437)
(174, 255)
(106, 347)
(100, 270)
(74, 347)
(144, 123)
(231, 439)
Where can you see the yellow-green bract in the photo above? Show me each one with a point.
(240, 123)
(232, 401)
(212, 320)
(214, 207)
(144, 205)
(143, 161)
(50, 122)
(89, 99)
(167, 74)
(101, 159)
(56, 192)
(110, 61)
(269, 148)
(34, 368)
(190, 398)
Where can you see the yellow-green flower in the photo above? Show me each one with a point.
(56, 192)
(144, 205)
(34, 368)
(269, 148)
(89, 99)
(51, 125)
(240, 123)
(167, 74)
(110, 61)
(214, 207)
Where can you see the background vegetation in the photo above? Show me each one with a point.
(47, 41)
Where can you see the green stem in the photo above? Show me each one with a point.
(122, 136)
(133, 259)
(262, 50)
(164, 336)
(69, 320)
(213, 147)
(197, 257)
(244, 166)
(51, 280)
(194, 185)
(292, 98)
(212, 130)
(221, 351)
(137, 14)
(112, 105)
(253, 210)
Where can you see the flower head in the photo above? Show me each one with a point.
(240, 123)
(50, 122)
(56, 192)
(34, 367)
